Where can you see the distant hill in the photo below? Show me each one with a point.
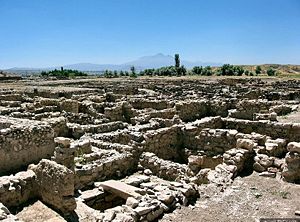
(287, 69)
(160, 60)
(154, 61)
(9, 76)
(145, 62)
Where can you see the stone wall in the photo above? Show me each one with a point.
(289, 131)
(164, 142)
(101, 165)
(291, 168)
(17, 189)
(59, 125)
(55, 185)
(192, 110)
(193, 129)
(154, 104)
(77, 130)
(163, 168)
(214, 141)
(69, 105)
(24, 142)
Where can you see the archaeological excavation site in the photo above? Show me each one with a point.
(149, 149)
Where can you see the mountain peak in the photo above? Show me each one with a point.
(152, 61)
(160, 55)
(156, 56)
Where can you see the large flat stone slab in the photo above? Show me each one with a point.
(92, 194)
(121, 189)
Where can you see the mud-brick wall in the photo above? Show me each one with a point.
(23, 142)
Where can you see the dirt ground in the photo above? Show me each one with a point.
(247, 199)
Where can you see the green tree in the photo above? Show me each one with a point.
(105, 74)
(258, 70)
(226, 70)
(149, 72)
(271, 72)
(132, 69)
(43, 73)
(170, 71)
(157, 72)
(181, 71)
(116, 74)
(197, 70)
(64, 73)
(133, 73)
(230, 70)
(207, 71)
(177, 61)
(238, 70)
(142, 73)
(108, 74)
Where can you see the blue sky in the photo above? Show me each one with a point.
(41, 33)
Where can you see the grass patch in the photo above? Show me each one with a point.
(282, 194)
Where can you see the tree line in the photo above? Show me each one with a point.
(176, 70)
(63, 73)
(180, 70)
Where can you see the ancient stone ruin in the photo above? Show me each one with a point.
(134, 150)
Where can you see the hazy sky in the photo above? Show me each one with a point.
(40, 33)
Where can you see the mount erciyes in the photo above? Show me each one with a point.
(145, 62)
